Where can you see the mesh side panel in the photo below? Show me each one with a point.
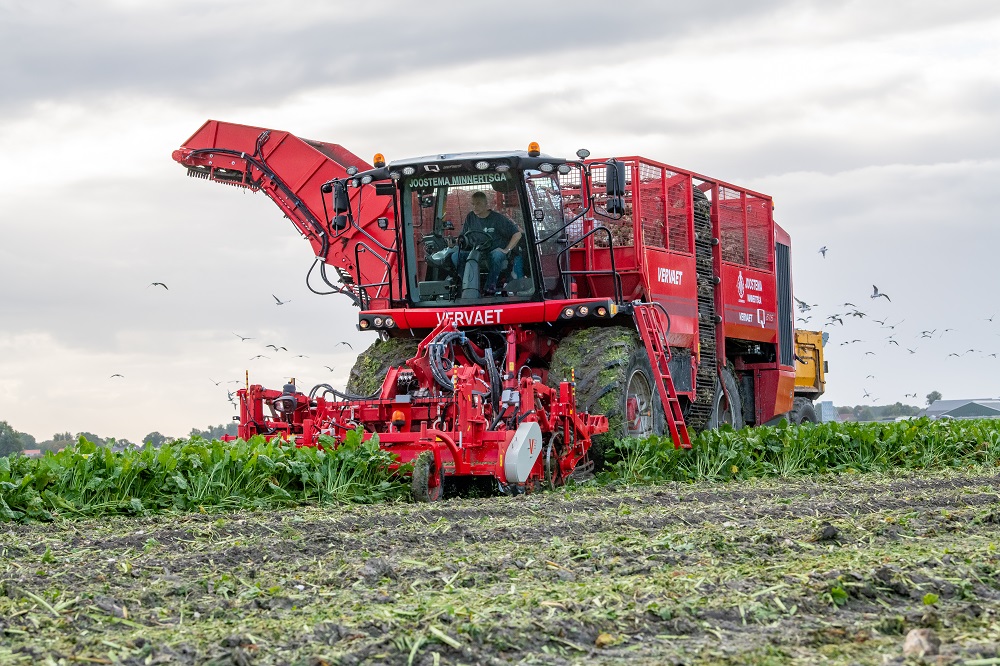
(759, 241)
(679, 212)
(621, 229)
(651, 205)
(731, 226)
(572, 196)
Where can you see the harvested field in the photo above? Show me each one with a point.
(823, 570)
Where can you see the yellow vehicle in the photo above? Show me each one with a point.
(810, 376)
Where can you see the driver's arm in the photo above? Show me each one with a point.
(513, 242)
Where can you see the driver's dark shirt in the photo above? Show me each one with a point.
(497, 226)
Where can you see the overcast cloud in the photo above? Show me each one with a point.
(873, 125)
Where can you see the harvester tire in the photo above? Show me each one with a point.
(373, 363)
(419, 483)
(803, 411)
(727, 408)
(642, 406)
(600, 358)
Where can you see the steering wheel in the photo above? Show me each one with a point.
(469, 240)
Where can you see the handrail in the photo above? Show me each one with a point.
(616, 279)
(359, 247)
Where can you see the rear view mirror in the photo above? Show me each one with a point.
(616, 187)
(341, 202)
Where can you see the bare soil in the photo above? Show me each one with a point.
(833, 570)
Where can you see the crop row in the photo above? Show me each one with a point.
(201, 475)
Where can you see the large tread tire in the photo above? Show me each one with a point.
(600, 357)
(803, 411)
(727, 408)
(373, 364)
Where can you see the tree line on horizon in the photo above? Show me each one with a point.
(13, 441)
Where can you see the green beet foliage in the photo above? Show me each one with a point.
(194, 475)
(828, 448)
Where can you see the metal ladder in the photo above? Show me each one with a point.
(649, 323)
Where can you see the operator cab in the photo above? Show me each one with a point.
(481, 228)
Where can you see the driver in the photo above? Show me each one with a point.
(504, 233)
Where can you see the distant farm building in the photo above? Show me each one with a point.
(985, 408)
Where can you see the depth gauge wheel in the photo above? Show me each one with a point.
(420, 483)
(553, 456)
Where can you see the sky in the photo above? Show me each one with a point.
(873, 125)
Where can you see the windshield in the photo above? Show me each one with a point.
(465, 239)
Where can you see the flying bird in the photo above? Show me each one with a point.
(254, 358)
(836, 318)
(953, 354)
(870, 377)
(242, 338)
(214, 382)
(911, 350)
(857, 313)
(803, 319)
(878, 294)
(927, 334)
(823, 251)
(866, 394)
(880, 322)
(990, 318)
(300, 356)
(276, 347)
(805, 307)
(157, 284)
(329, 368)
(849, 305)
(345, 343)
(909, 395)
(279, 301)
(869, 353)
(893, 342)
(117, 375)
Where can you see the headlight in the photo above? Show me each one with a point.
(546, 167)
(568, 312)
(365, 180)
(409, 171)
(389, 322)
(583, 310)
(482, 165)
(503, 168)
(377, 321)
(364, 324)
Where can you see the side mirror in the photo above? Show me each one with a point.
(616, 187)
(341, 202)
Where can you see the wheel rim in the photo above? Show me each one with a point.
(638, 405)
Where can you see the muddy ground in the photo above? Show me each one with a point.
(833, 570)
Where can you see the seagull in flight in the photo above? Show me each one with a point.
(870, 377)
(276, 347)
(893, 342)
(849, 305)
(260, 356)
(909, 395)
(927, 334)
(157, 284)
(878, 294)
(345, 343)
(912, 351)
(279, 301)
(298, 355)
(869, 353)
(242, 338)
(805, 307)
(836, 318)
(867, 394)
(990, 318)
(214, 382)
(823, 251)
(117, 374)
(329, 368)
